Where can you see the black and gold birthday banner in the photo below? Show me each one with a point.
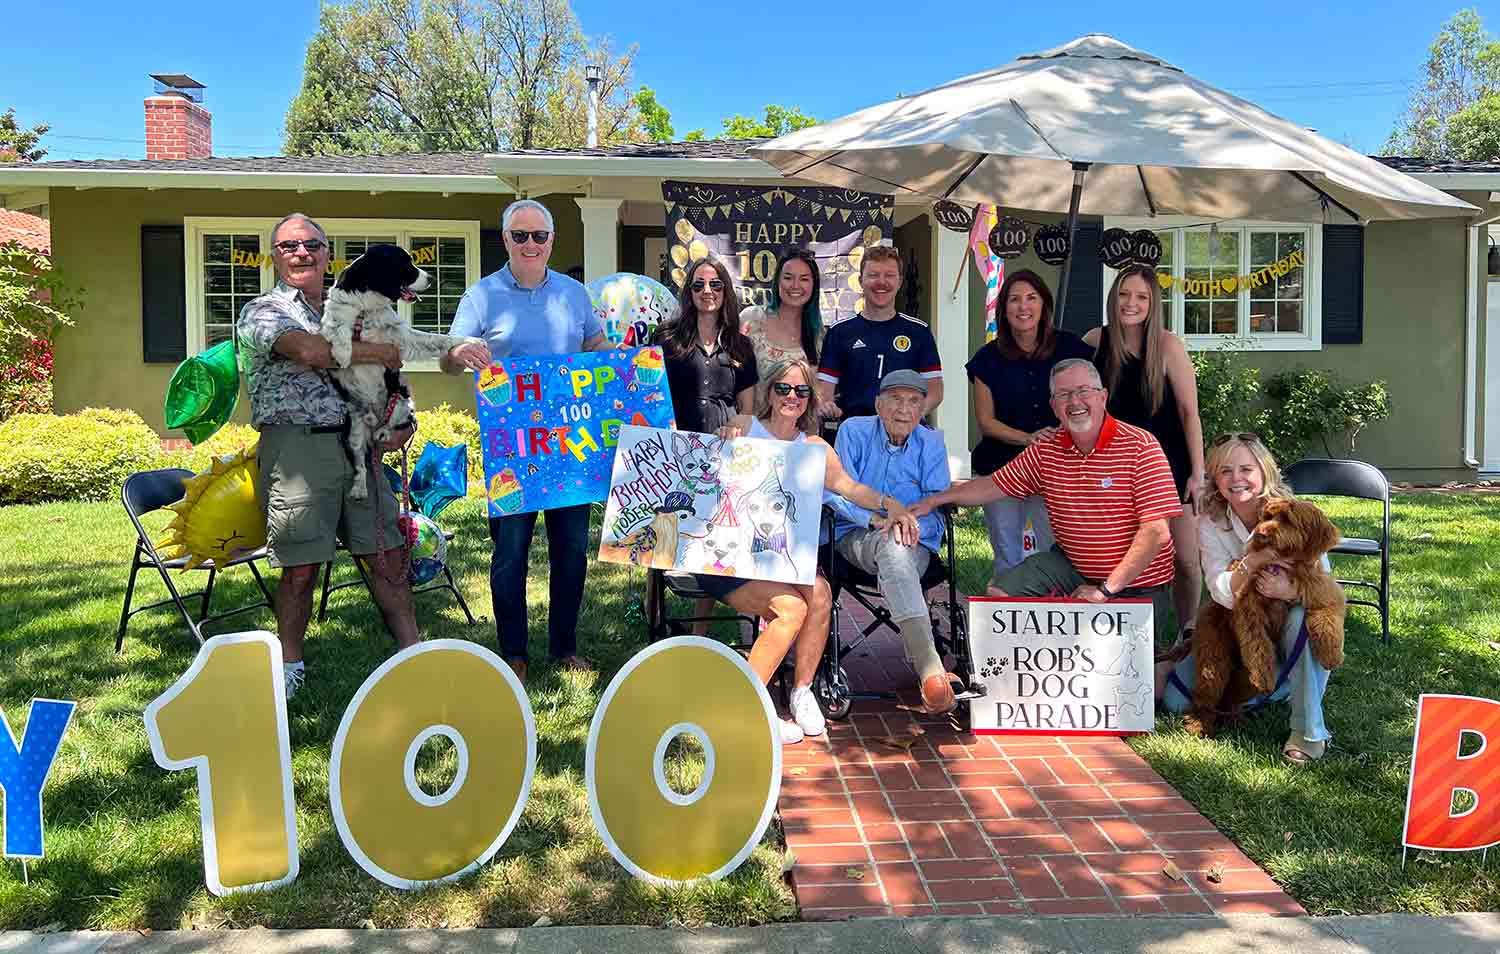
(748, 227)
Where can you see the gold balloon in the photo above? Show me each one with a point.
(871, 235)
(679, 256)
(698, 250)
(854, 281)
(219, 517)
(856, 255)
(679, 277)
(859, 306)
(685, 231)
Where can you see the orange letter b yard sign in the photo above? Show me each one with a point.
(1437, 818)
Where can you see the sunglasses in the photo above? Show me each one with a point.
(312, 245)
(784, 389)
(1246, 436)
(713, 283)
(520, 236)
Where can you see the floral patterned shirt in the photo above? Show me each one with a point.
(281, 390)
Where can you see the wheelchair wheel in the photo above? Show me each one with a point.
(833, 693)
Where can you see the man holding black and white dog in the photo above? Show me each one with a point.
(305, 473)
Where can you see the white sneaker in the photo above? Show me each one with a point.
(805, 710)
(791, 733)
(294, 680)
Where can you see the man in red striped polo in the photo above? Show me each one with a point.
(1109, 495)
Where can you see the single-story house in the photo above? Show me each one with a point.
(170, 247)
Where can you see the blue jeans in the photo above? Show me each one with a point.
(567, 555)
(1304, 686)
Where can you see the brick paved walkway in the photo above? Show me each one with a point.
(965, 824)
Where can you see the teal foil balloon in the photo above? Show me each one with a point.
(440, 477)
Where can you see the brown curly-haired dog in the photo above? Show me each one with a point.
(1235, 650)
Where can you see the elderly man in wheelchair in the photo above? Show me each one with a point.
(904, 461)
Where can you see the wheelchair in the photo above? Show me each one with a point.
(844, 577)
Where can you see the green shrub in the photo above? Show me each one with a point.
(83, 456)
(229, 439)
(447, 427)
(1229, 393)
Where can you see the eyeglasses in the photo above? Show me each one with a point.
(1246, 436)
(312, 245)
(1072, 393)
(713, 283)
(783, 389)
(520, 236)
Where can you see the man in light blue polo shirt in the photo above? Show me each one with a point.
(527, 309)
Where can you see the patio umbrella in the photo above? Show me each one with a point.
(1148, 138)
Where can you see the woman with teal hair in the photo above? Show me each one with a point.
(792, 328)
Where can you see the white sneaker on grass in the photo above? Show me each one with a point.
(805, 710)
(294, 679)
(791, 733)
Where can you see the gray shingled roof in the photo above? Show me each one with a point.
(413, 163)
(1413, 165)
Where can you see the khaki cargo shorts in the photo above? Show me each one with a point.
(305, 478)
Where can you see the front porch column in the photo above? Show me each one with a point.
(601, 237)
(950, 325)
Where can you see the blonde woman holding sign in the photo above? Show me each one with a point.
(797, 614)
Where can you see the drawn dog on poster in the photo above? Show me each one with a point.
(675, 526)
(698, 464)
(768, 508)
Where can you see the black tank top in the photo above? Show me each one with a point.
(1129, 403)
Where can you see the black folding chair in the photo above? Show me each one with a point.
(1354, 478)
(445, 582)
(151, 490)
(844, 577)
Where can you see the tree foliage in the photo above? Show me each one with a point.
(439, 75)
(34, 302)
(18, 144)
(655, 120)
(778, 121)
(1451, 113)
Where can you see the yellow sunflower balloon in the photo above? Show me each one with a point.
(218, 517)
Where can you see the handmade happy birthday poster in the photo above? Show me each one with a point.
(548, 425)
(746, 507)
(1062, 666)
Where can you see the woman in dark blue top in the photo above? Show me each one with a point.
(1013, 405)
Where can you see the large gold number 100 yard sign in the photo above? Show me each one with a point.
(226, 718)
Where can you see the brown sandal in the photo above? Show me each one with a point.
(937, 693)
(1300, 752)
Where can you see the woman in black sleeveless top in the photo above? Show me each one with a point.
(1152, 385)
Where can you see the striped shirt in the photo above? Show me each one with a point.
(1097, 501)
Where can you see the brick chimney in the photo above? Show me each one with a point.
(177, 125)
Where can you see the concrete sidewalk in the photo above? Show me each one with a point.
(1228, 934)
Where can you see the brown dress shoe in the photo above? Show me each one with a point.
(575, 663)
(519, 667)
(937, 693)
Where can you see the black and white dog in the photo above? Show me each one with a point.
(369, 289)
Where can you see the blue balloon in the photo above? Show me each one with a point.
(23, 770)
(440, 477)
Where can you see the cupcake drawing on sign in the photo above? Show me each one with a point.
(495, 385)
(649, 367)
(506, 493)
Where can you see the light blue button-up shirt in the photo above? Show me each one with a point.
(916, 469)
(556, 317)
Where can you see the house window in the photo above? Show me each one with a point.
(228, 263)
(231, 276)
(1252, 285)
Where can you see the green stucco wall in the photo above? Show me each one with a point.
(97, 246)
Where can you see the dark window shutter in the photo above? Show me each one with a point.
(163, 294)
(1085, 281)
(492, 254)
(1343, 284)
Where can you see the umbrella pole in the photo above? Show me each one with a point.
(1079, 170)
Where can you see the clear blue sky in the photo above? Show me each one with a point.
(1340, 67)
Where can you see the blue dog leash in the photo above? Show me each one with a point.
(1255, 702)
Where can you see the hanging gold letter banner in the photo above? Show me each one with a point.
(748, 227)
(702, 689)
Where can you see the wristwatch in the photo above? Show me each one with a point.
(1103, 587)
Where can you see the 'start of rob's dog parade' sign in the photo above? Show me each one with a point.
(1062, 667)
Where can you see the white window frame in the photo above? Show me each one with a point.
(1311, 337)
(196, 227)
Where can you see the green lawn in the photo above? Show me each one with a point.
(122, 835)
(123, 843)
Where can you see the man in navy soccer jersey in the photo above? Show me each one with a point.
(858, 352)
